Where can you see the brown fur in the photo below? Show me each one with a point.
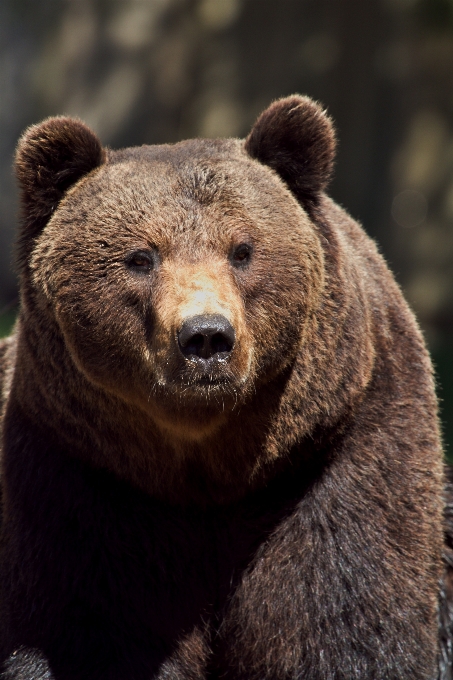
(323, 418)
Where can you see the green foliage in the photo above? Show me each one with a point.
(7, 320)
(443, 361)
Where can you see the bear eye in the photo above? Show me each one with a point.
(140, 261)
(241, 255)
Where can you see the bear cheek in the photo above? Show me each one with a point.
(105, 332)
(97, 352)
(282, 305)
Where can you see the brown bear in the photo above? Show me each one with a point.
(220, 442)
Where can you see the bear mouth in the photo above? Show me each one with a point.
(188, 382)
(209, 381)
(197, 372)
(189, 379)
(192, 381)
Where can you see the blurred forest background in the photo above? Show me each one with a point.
(150, 71)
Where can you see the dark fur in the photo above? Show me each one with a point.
(297, 125)
(54, 155)
(288, 525)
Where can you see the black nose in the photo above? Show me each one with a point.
(206, 335)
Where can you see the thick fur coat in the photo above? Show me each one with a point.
(220, 442)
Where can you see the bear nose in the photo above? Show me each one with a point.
(206, 335)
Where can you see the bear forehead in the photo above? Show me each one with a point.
(208, 172)
(205, 186)
(186, 152)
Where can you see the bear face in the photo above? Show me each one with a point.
(127, 275)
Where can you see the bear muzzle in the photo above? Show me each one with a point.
(206, 341)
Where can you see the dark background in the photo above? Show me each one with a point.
(148, 71)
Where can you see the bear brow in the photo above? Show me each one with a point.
(200, 184)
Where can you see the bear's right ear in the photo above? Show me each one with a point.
(50, 158)
(295, 137)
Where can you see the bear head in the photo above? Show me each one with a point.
(189, 304)
(180, 276)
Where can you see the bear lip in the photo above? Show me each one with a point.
(204, 379)
(211, 382)
(198, 370)
(201, 376)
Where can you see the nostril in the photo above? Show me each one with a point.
(194, 345)
(206, 336)
(220, 343)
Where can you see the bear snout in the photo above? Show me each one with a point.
(206, 338)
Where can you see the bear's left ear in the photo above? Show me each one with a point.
(50, 158)
(295, 137)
